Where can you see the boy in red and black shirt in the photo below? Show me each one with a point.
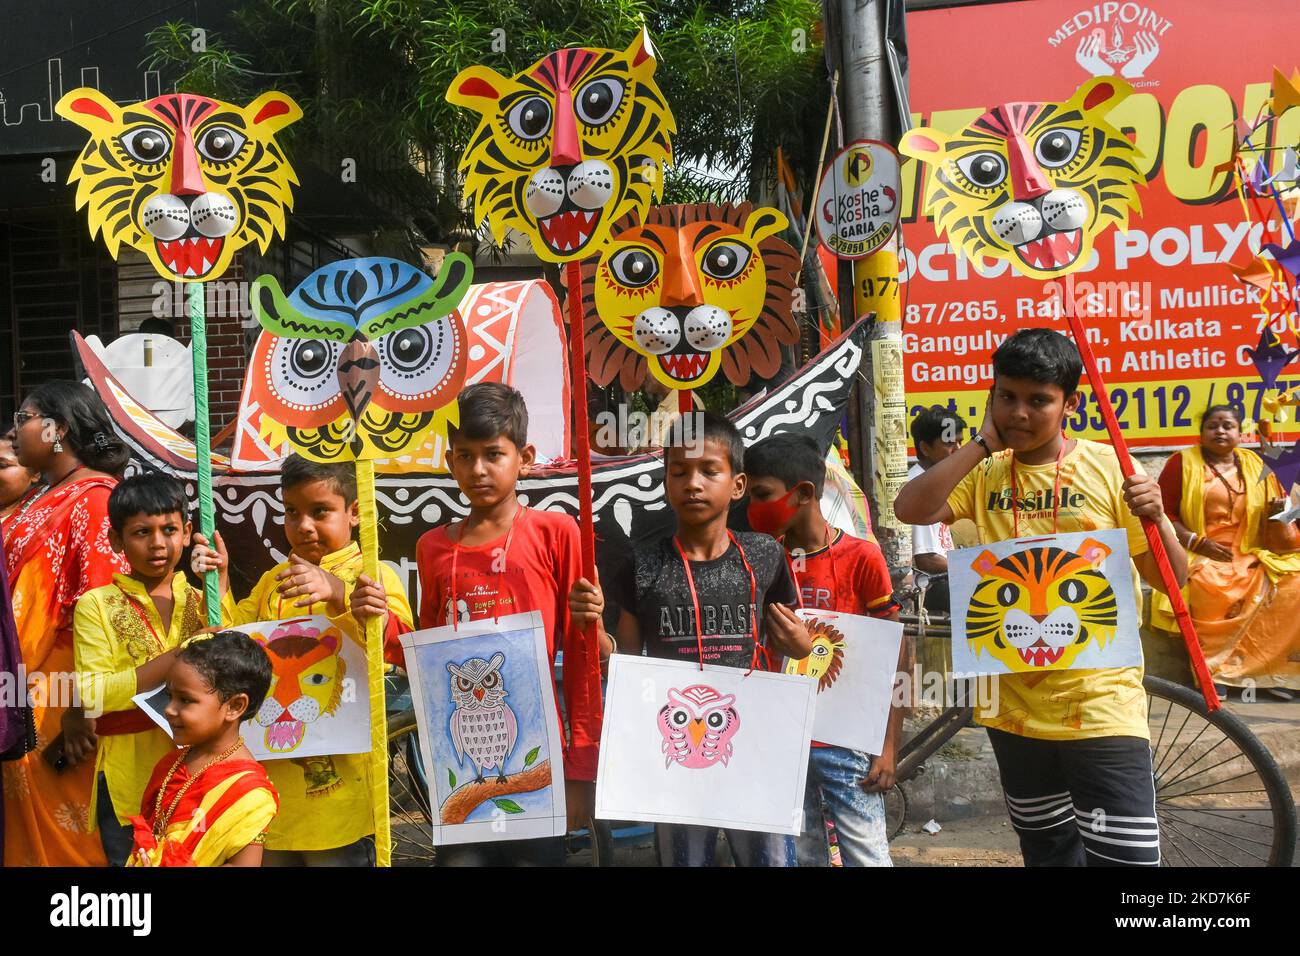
(504, 558)
(833, 571)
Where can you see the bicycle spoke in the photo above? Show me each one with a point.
(1210, 854)
(1186, 793)
(1186, 718)
(1173, 763)
(1185, 774)
(1165, 723)
(1222, 813)
(1235, 836)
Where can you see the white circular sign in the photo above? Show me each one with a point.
(857, 201)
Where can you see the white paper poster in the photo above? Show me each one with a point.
(854, 662)
(1053, 603)
(317, 705)
(489, 732)
(707, 746)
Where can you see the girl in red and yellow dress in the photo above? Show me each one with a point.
(210, 803)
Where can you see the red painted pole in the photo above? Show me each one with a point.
(1181, 614)
(685, 400)
(581, 428)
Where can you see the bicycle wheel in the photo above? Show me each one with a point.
(408, 794)
(895, 811)
(1220, 798)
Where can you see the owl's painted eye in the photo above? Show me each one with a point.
(491, 680)
(725, 260)
(598, 101)
(821, 650)
(716, 720)
(1008, 594)
(679, 717)
(417, 362)
(465, 685)
(634, 267)
(1072, 591)
(146, 144)
(304, 371)
(530, 119)
(220, 143)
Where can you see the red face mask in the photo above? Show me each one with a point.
(771, 517)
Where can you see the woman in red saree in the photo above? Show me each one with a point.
(56, 548)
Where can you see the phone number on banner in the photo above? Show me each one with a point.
(1144, 410)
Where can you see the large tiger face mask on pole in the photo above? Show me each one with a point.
(567, 147)
(187, 180)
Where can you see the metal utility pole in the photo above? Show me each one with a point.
(855, 34)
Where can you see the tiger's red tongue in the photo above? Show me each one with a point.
(1040, 655)
(192, 257)
(1051, 252)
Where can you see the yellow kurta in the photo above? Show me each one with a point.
(1246, 610)
(110, 640)
(324, 801)
(1073, 704)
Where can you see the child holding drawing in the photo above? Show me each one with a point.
(838, 572)
(696, 596)
(326, 817)
(505, 558)
(1072, 746)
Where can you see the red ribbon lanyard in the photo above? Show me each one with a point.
(753, 609)
(501, 571)
(1056, 493)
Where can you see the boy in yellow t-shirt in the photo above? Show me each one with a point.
(325, 818)
(125, 636)
(1072, 746)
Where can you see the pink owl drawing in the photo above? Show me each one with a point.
(697, 724)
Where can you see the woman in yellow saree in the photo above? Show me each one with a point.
(56, 548)
(1244, 599)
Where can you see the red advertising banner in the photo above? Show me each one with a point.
(1168, 320)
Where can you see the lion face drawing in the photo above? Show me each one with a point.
(306, 683)
(688, 291)
(187, 180)
(826, 657)
(1039, 608)
(567, 147)
(1033, 183)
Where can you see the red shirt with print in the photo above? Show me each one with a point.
(535, 574)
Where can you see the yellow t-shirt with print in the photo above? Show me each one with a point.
(324, 801)
(115, 629)
(1074, 704)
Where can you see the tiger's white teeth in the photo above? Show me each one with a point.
(206, 266)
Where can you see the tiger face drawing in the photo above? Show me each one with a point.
(688, 291)
(826, 658)
(1033, 183)
(306, 683)
(1039, 608)
(567, 147)
(187, 180)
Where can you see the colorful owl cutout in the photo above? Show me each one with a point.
(482, 726)
(567, 147)
(187, 180)
(363, 359)
(1033, 183)
(826, 658)
(1039, 608)
(698, 725)
(691, 290)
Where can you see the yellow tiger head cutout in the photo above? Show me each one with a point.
(567, 147)
(1034, 183)
(187, 180)
(825, 659)
(691, 290)
(1037, 609)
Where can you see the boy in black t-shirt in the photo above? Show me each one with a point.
(728, 577)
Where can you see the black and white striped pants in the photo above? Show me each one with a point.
(1080, 802)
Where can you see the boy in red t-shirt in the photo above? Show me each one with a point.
(833, 571)
(509, 559)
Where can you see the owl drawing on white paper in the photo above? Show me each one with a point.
(697, 725)
(482, 725)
